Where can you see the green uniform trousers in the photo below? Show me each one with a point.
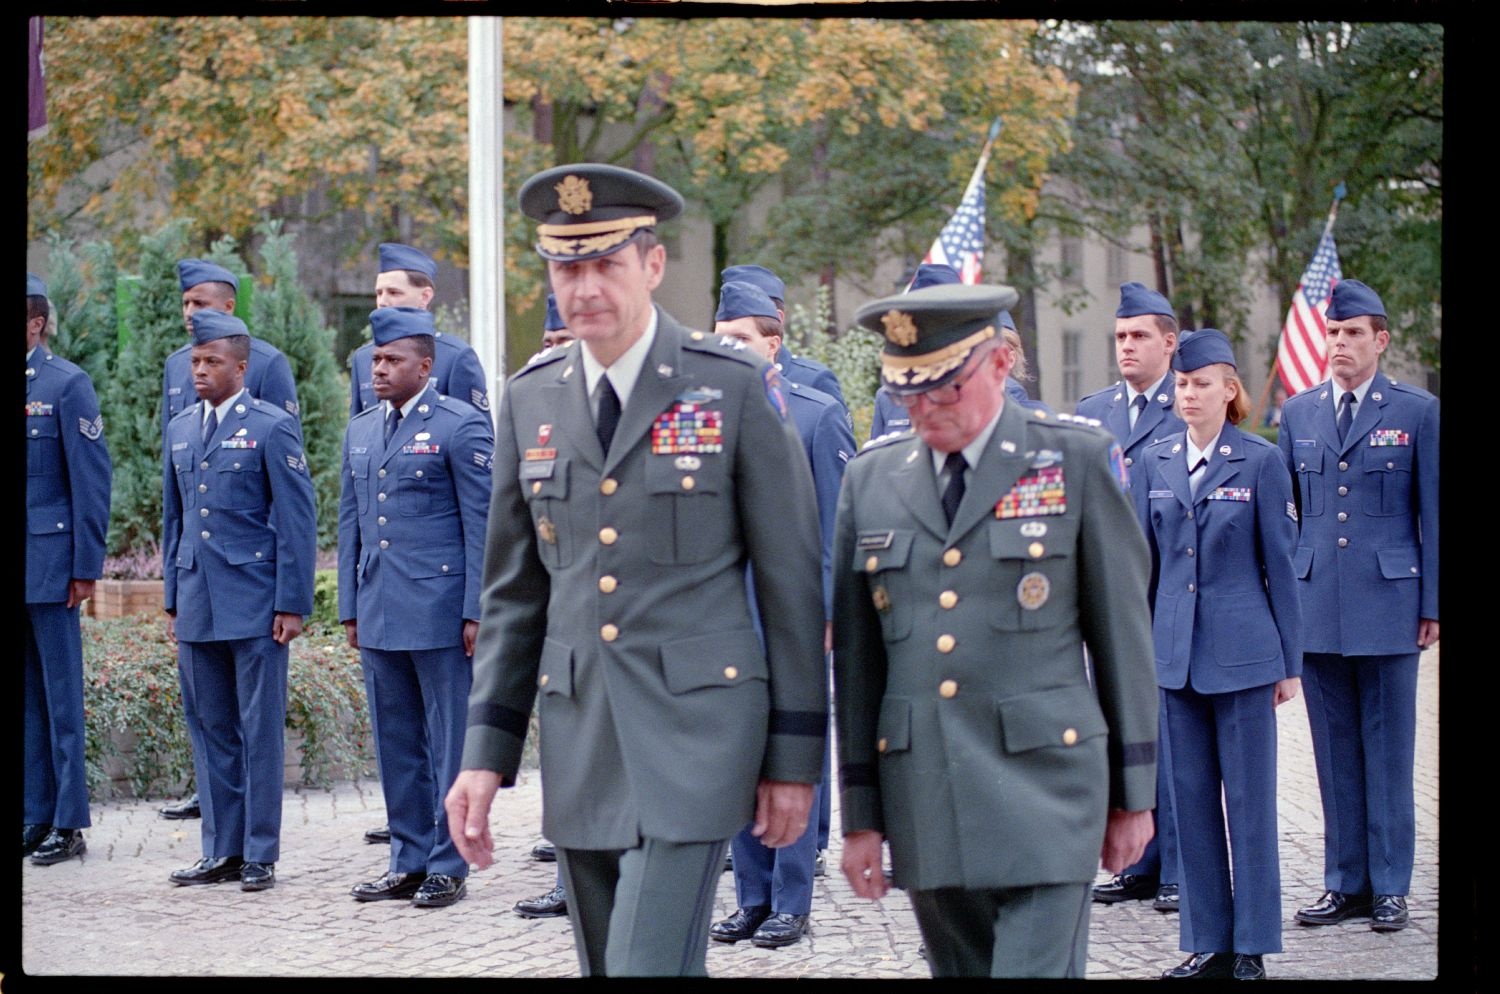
(1039, 931)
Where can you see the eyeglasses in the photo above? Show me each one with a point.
(943, 396)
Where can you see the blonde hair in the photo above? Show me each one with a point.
(1238, 408)
(1012, 338)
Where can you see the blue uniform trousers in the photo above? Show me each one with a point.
(56, 791)
(235, 691)
(1363, 714)
(1226, 741)
(1160, 858)
(422, 697)
(780, 879)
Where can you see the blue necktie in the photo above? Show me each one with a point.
(391, 421)
(1346, 415)
(210, 425)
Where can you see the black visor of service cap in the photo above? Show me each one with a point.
(589, 209)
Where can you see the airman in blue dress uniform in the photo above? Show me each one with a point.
(406, 279)
(268, 377)
(1221, 525)
(1137, 410)
(415, 496)
(773, 887)
(239, 535)
(1363, 449)
(794, 368)
(67, 514)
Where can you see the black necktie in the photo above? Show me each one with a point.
(1346, 416)
(210, 425)
(1140, 408)
(392, 420)
(609, 413)
(953, 494)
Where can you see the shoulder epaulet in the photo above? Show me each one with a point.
(1176, 436)
(452, 342)
(456, 406)
(54, 363)
(883, 441)
(1098, 393)
(1254, 439)
(703, 342)
(1304, 392)
(273, 410)
(543, 359)
(1413, 389)
(183, 349)
(263, 347)
(1065, 420)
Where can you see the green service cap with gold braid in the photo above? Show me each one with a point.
(929, 333)
(589, 209)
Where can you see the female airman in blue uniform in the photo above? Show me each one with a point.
(1227, 627)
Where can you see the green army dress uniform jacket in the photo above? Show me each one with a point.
(969, 733)
(616, 586)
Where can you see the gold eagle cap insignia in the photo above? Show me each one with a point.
(574, 195)
(899, 328)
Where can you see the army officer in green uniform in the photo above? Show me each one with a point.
(973, 559)
(636, 473)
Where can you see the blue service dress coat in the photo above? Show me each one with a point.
(268, 377)
(809, 373)
(239, 535)
(1367, 569)
(1226, 626)
(68, 478)
(456, 372)
(411, 550)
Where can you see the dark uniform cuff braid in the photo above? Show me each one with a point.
(798, 723)
(501, 717)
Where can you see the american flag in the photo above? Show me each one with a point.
(961, 242)
(1302, 355)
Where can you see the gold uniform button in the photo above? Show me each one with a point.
(882, 745)
(947, 599)
(948, 688)
(607, 584)
(1035, 550)
(696, 336)
(730, 672)
(871, 563)
(952, 557)
(945, 643)
(536, 486)
(688, 483)
(609, 633)
(608, 536)
(542, 680)
(1070, 736)
(608, 485)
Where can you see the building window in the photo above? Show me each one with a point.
(1116, 265)
(1072, 366)
(1072, 261)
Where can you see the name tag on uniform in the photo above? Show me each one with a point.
(237, 443)
(1039, 493)
(1389, 436)
(358, 450)
(173, 391)
(179, 446)
(1158, 494)
(420, 449)
(1240, 494)
(875, 540)
(537, 470)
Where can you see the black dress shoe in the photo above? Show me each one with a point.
(209, 870)
(31, 837)
(740, 925)
(379, 836)
(1387, 915)
(257, 876)
(186, 808)
(553, 904)
(1334, 907)
(1126, 887)
(1203, 966)
(728, 862)
(1167, 898)
(1247, 966)
(544, 852)
(62, 844)
(390, 887)
(820, 868)
(439, 890)
(780, 930)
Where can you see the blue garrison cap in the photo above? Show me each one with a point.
(394, 255)
(1196, 349)
(1351, 298)
(191, 272)
(210, 325)
(1137, 299)
(390, 323)
(770, 284)
(587, 210)
(934, 274)
(554, 320)
(34, 286)
(1006, 321)
(741, 299)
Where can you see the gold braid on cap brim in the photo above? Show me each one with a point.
(907, 371)
(571, 239)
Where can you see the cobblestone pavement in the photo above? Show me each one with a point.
(123, 917)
